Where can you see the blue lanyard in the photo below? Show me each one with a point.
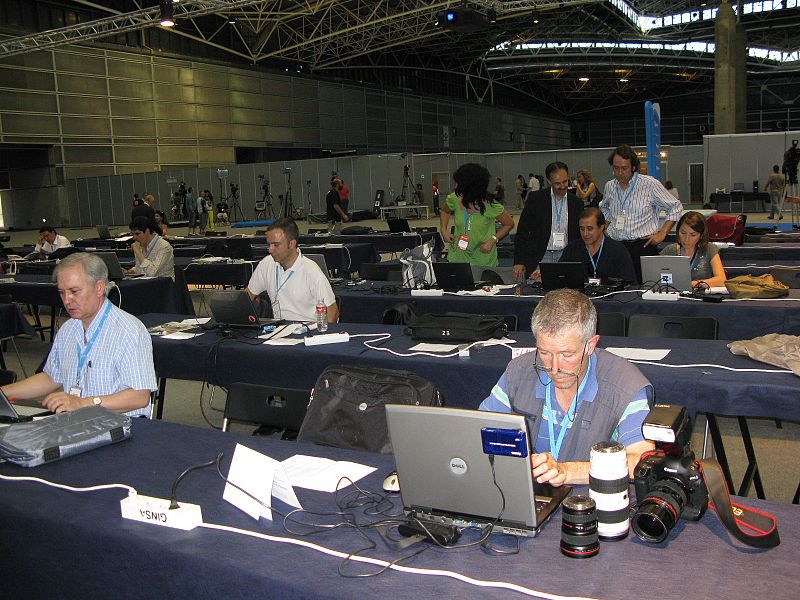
(467, 219)
(555, 446)
(150, 247)
(558, 206)
(288, 277)
(599, 254)
(626, 194)
(694, 261)
(83, 355)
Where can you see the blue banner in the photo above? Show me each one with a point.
(652, 119)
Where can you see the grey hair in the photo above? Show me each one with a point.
(562, 310)
(92, 265)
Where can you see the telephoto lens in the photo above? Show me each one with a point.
(608, 487)
(579, 527)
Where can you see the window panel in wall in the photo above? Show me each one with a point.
(307, 137)
(85, 126)
(136, 154)
(213, 113)
(245, 100)
(133, 127)
(247, 132)
(177, 129)
(85, 140)
(207, 131)
(76, 172)
(250, 117)
(174, 93)
(128, 69)
(244, 83)
(211, 96)
(131, 108)
(33, 60)
(26, 80)
(217, 155)
(182, 74)
(306, 120)
(211, 79)
(83, 105)
(276, 86)
(30, 124)
(80, 63)
(308, 106)
(130, 89)
(303, 89)
(88, 154)
(186, 112)
(28, 102)
(177, 154)
(279, 134)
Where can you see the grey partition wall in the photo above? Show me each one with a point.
(743, 158)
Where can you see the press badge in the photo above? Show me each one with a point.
(559, 240)
(619, 222)
(594, 281)
(75, 391)
(463, 242)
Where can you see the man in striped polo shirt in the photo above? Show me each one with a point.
(631, 203)
(572, 393)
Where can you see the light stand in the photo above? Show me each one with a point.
(287, 208)
(264, 206)
(308, 200)
(222, 175)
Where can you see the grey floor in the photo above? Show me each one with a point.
(190, 403)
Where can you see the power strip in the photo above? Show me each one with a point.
(668, 296)
(147, 509)
(427, 292)
(326, 338)
(334, 245)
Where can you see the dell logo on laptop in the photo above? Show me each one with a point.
(458, 466)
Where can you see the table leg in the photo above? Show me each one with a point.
(160, 397)
(751, 474)
(719, 449)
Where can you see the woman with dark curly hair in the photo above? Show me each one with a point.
(474, 217)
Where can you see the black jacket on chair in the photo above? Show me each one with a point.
(533, 231)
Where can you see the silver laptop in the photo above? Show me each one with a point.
(445, 475)
(323, 265)
(11, 413)
(673, 271)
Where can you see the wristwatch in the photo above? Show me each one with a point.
(494, 237)
(97, 401)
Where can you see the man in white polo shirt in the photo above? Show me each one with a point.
(293, 282)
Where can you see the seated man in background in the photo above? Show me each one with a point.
(50, 240)
(601, 256)
(293, 282)
(101, 356)
(154, 255)
(572, 393)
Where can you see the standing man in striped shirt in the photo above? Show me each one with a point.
(631, 203)
(572, 393)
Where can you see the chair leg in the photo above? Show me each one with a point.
(19, 358)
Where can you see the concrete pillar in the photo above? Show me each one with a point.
(730, 72)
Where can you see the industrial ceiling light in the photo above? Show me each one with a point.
(167, 19)
(583, 79)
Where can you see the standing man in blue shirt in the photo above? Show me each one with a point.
(102, 356)
(631, 204)
(572, 393)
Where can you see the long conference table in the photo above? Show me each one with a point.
(738, 319)
(69, 545)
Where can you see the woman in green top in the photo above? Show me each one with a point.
(474, 216)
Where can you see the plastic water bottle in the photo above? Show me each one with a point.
(322, 316)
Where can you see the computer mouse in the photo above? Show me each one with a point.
(392, 483)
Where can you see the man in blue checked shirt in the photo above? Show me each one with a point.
(631, 203)
(572, 393)
(101, 356)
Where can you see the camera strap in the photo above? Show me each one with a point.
(748, 525)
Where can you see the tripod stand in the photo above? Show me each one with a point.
(406, 183)
(233, 199)
(264, 205)
(287, 208)
(308, 200)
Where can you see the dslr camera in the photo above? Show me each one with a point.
(668, 481)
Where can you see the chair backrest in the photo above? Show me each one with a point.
(7, 377)
(612, 323)
(282, 408)
(666, 326)
(182, 295)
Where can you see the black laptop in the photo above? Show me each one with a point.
(398, 225)
(562, 275)
(234, 308)
(454, 277)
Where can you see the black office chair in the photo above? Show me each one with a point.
(612, 323)
(666, 326)
(381, 271)
(281, 409)
(7, 377)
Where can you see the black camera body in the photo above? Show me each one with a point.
(669, 484)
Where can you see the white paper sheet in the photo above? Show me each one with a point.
(180, 335)
(261, 476)
(429, 347)
(323, 474)
(284, 342)
(197, 321)
(640, 353)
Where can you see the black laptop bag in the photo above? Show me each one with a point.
(347, 406)
(456, 327)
